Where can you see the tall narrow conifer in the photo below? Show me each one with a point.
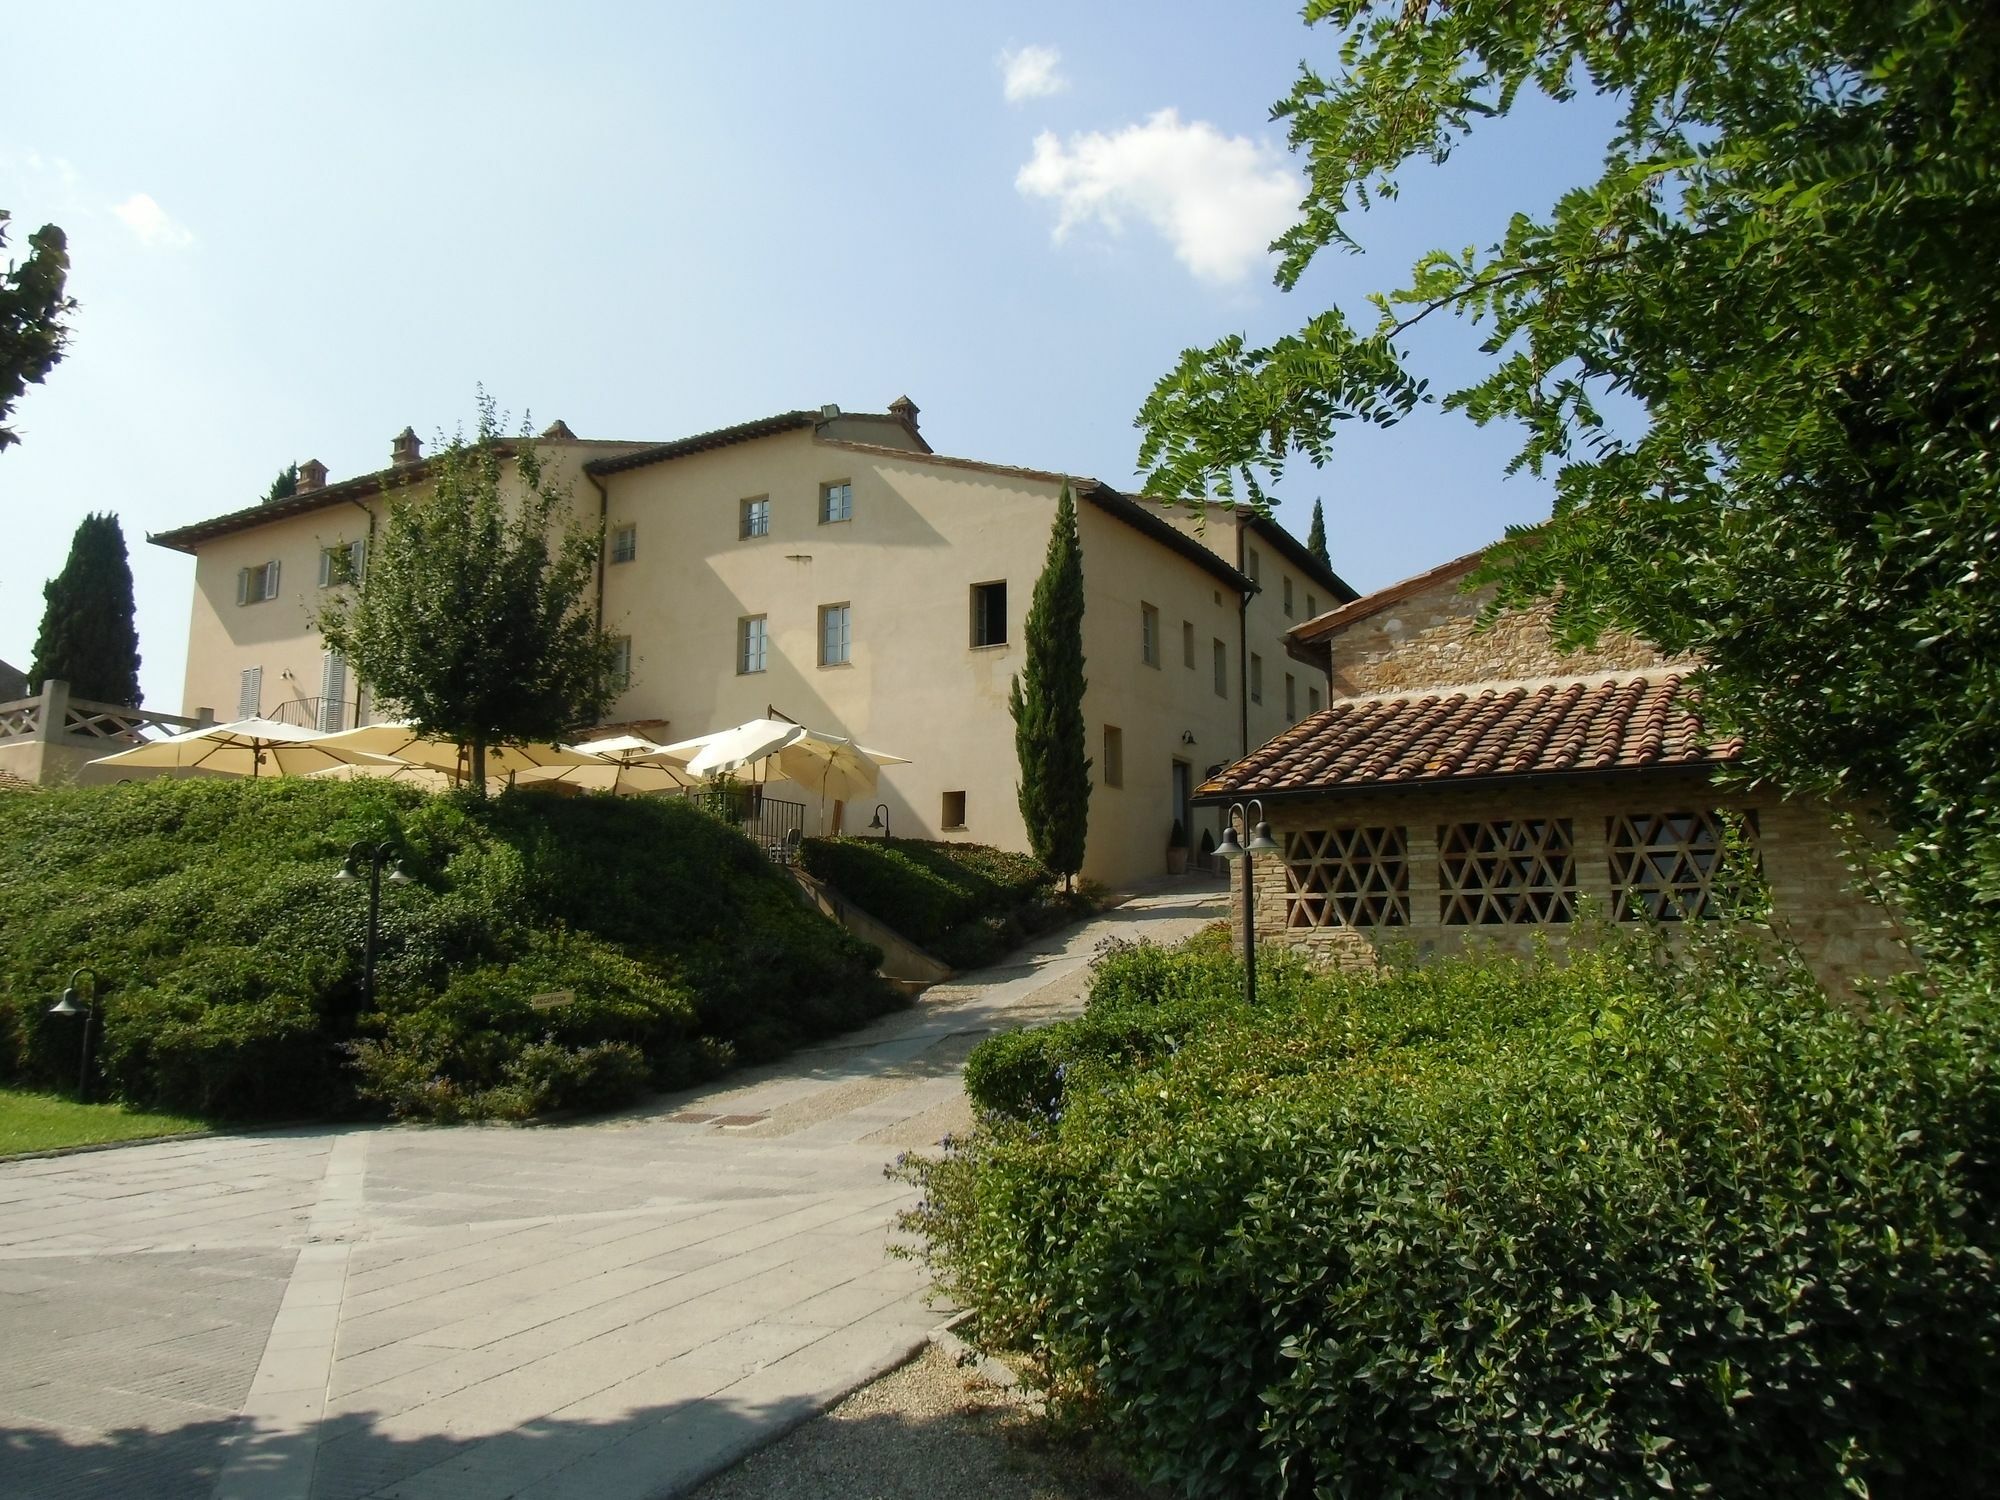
(1316, 538)
(87, 638)
(1046, 701)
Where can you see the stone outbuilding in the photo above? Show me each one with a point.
(1478, 786)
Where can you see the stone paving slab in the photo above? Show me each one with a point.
(609, 1310)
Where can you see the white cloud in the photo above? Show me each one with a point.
(151, 223)
(1218, 199)
(1030, 73)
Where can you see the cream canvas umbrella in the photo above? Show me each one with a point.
(381, 769)
(833, 765)
(406, 743)
(624, 764)
(244, 747)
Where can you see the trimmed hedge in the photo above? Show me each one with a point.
(967, 904)
(1495, 1228)
(229, 956)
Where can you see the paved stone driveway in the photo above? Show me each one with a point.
(604, 1311)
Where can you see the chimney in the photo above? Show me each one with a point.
(312, 476)
(558, 432)
(405, 450)
(906, 409)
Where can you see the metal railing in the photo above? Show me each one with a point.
(774, 825)
(330, 714)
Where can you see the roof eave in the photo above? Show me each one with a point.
(1525, 780)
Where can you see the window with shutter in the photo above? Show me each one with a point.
(333, 693)
(250, 693)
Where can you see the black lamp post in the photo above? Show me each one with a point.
(374, 856)
(880, 822)
(67, 1006)
(1260, 842)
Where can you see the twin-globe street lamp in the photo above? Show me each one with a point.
(1261, 842)
(374, 856)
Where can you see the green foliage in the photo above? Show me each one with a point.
(1777, 266)
(284, 486)
(33, 306)
(1316, 538)
(1495, 1228)
(1046, 702)
(88, 638)
(473, 618)
(966, 904)
(229, 958)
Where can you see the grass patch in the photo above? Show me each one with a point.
(967, 904)
(32, 1121)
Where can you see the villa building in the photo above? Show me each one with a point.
(1472, 785)
(830, 567)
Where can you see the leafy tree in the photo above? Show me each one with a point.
(1789, 265)
(472, 618)
(1046, 701)
(32, 309)
(284, 486)
(87, 638)
(1316, 538)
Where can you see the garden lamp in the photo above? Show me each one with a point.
(880, 822)
(67, 1006)
(374, 856)
(1230, 848)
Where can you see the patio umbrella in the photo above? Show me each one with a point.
(832, 764)
(428, 777)
(406, 743)
(730, 750)
(244, 747)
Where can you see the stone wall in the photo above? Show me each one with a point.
(1432, 639)
(1844, 936)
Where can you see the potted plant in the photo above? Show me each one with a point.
(1177, 849)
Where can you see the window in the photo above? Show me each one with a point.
(1253, 565)
(255, 585)
(989, 614)
(1114, 756)
(836, 502)
(1312, 606)
(954, 810)
(1291, 698)
(1670, 867)
(750, 643)
(250, 693)
(1507, 873)
(333, 693)
(836, 634)
(339, 564)
(1312, 700)
(1187, 642)
(621, 662)
(1221, 670)
(1288, 597)
(756, 516)
(1256, 678)
(624, 544)
(1149, 635)
(1347, 877)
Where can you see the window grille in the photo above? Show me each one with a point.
(1669, 867)
(1347, 877)
(1507, 873)
(757, 516)
(624, 544)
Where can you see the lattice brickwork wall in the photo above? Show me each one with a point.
(1506, 872)
(1671, 867)
(1354, 876)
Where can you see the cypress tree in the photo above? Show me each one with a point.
(1316, 538)
(284, 486)
(87, 638)
(1046, 701)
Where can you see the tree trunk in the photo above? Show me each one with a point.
(479, 767)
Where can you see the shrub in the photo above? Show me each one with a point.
(1502, 1228)
(229, 958)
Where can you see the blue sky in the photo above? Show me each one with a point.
(294, 231)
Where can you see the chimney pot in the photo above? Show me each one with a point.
(405, 449)
(312, 476)
(558, 432)
(906, 409)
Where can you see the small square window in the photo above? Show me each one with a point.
(836, 634)
(1256, 678)
(756, 517)
(621, 662)
(954, 810)
(1221, 670)
(836, 501)
(751, 639)
(1187, 642)
(624, 544)
(340, 564)
(1114, 755)
(989, 614)
(1149, 635)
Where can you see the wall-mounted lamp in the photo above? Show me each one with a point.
(1187, 736)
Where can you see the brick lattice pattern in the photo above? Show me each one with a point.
(1668, 867)
(1348, 877)
(1506, 873)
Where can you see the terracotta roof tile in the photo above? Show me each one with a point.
(1628, 722)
